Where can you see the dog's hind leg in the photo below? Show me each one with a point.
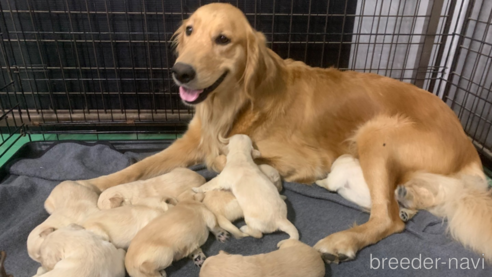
(231, 228)
(252, 232)
(377, 142)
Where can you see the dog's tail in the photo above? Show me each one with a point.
(467, 204)
(225, 224)
(286, 226)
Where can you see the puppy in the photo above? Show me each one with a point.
(172, 236)
(226, 207)
(264, 210)
(69, 202)
(347, 179)
(175, 184)
(73, 251)
(293, 259)
(121, 224)
(76, 196)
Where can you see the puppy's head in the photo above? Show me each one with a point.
(217, 51)
(242, 143)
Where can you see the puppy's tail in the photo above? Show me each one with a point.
(225, 224)
(286, 226)
(467, 204)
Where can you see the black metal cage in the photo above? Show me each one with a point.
(104, 65)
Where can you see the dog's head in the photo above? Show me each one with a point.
(217, 49)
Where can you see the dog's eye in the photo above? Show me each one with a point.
(189, 30)
(222, 40)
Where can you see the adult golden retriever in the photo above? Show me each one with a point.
(302, 118)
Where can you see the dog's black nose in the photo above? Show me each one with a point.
(183, 72)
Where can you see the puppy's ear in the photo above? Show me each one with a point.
(171, 200)
(255, 153)
(46, 232)
(116, 201)
(178, 36)
(199, 196)
(259, 63)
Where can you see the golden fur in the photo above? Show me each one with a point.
(175, 184)
(120, 225)
(293, 259)
(264, 210)
(302, 118)
(464, 202)
(75, 252)
(170, 237)
(69, 202)
(226, 208)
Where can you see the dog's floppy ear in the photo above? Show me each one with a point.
(177, 37)
(171, 200)
(116, 201)
(255, 153)
(258, 62)
(46, 232)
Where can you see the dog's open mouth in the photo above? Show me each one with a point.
(195, 96)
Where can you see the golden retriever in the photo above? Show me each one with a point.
(293, 259)
(302, 118)
(120, 225)
(264, 210)
(75, 252)
(226, 207)
(172, 236)
(347, 179)
(175, 184)
(69, 202)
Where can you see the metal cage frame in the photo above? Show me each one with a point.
(103, 66)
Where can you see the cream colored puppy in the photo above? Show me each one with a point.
(175, 184)
(264, 210)
(73, 251)
(293, 259)
(346, 178)
(170, 237)
(121, 224)
(75, 196)
(69, 202)
(226, 207)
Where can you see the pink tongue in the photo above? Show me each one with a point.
(189, 95)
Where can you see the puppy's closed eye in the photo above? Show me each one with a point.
(46, 232)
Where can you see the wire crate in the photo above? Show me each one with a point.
(103, 66)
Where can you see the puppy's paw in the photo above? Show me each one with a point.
(199, 259)
(407, 214)
(222, 236)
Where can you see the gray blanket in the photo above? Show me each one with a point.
(423, 249)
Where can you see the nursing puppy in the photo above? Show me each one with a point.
(176, 184)
(170, 237)
(121, 224)
(346, 178)
(226, 207)
(69, 202)
(293, 259)
(73, 251)
(264, 210)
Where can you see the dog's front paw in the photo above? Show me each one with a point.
(336, 248)
(199, 259)
(222, 236)
(407, 214)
